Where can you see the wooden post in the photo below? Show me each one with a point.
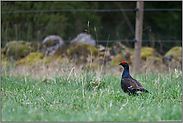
(38, 34)
(138, 35)
(28, 32)
(16, 32)
(182, 57)
(6, 32)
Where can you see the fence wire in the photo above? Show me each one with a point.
(111, 41)
(87, 10)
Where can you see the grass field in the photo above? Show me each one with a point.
(90, 97)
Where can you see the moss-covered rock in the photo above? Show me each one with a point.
(60, 51)
(118, 59)
(2, 50)
(173, 58)
(53, 59)
(37, 46)
(30, 59)
(80, 51)
(119, 48)
(175, 52)
(3, 57)
(104, 54)
(100, 48)
(18, 49)
(147, 52)
(4, 61)
(122, 52)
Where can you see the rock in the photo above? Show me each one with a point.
(81, 52)
(30, 59)
(104, 51)
(147, 52)
(4, 61)
(119, 48)
(2, 50)
(173, 58)
(37, 46)
(124, 51)
(101, 48)
(104, 56)
(149, 56)
(84, 38)
(119, 58)
(53, 59)
(153, 63)
(53, 45)
(18, 49)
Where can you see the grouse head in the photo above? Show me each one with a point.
(124, 64)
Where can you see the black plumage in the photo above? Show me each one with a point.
(128, 84)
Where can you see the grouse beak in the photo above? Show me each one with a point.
(120, 63)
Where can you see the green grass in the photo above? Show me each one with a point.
(90, 97)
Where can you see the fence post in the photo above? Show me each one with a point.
(138, 35)
(16, 32)
(182, 57)
(38, 36)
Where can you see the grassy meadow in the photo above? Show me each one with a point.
(89, 96)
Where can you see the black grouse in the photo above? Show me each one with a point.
(128, 84)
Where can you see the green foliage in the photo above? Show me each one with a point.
(65, 24)
(172, 19)
(164, 25)
(67, 98)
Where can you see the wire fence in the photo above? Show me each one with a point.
(111, 41)
(87, 10)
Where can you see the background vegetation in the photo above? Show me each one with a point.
(34, 26)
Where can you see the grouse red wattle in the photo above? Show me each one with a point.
(128, 84)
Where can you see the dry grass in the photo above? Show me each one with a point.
(54, 68)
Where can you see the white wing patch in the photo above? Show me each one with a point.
(138, 92)
(130, 88)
